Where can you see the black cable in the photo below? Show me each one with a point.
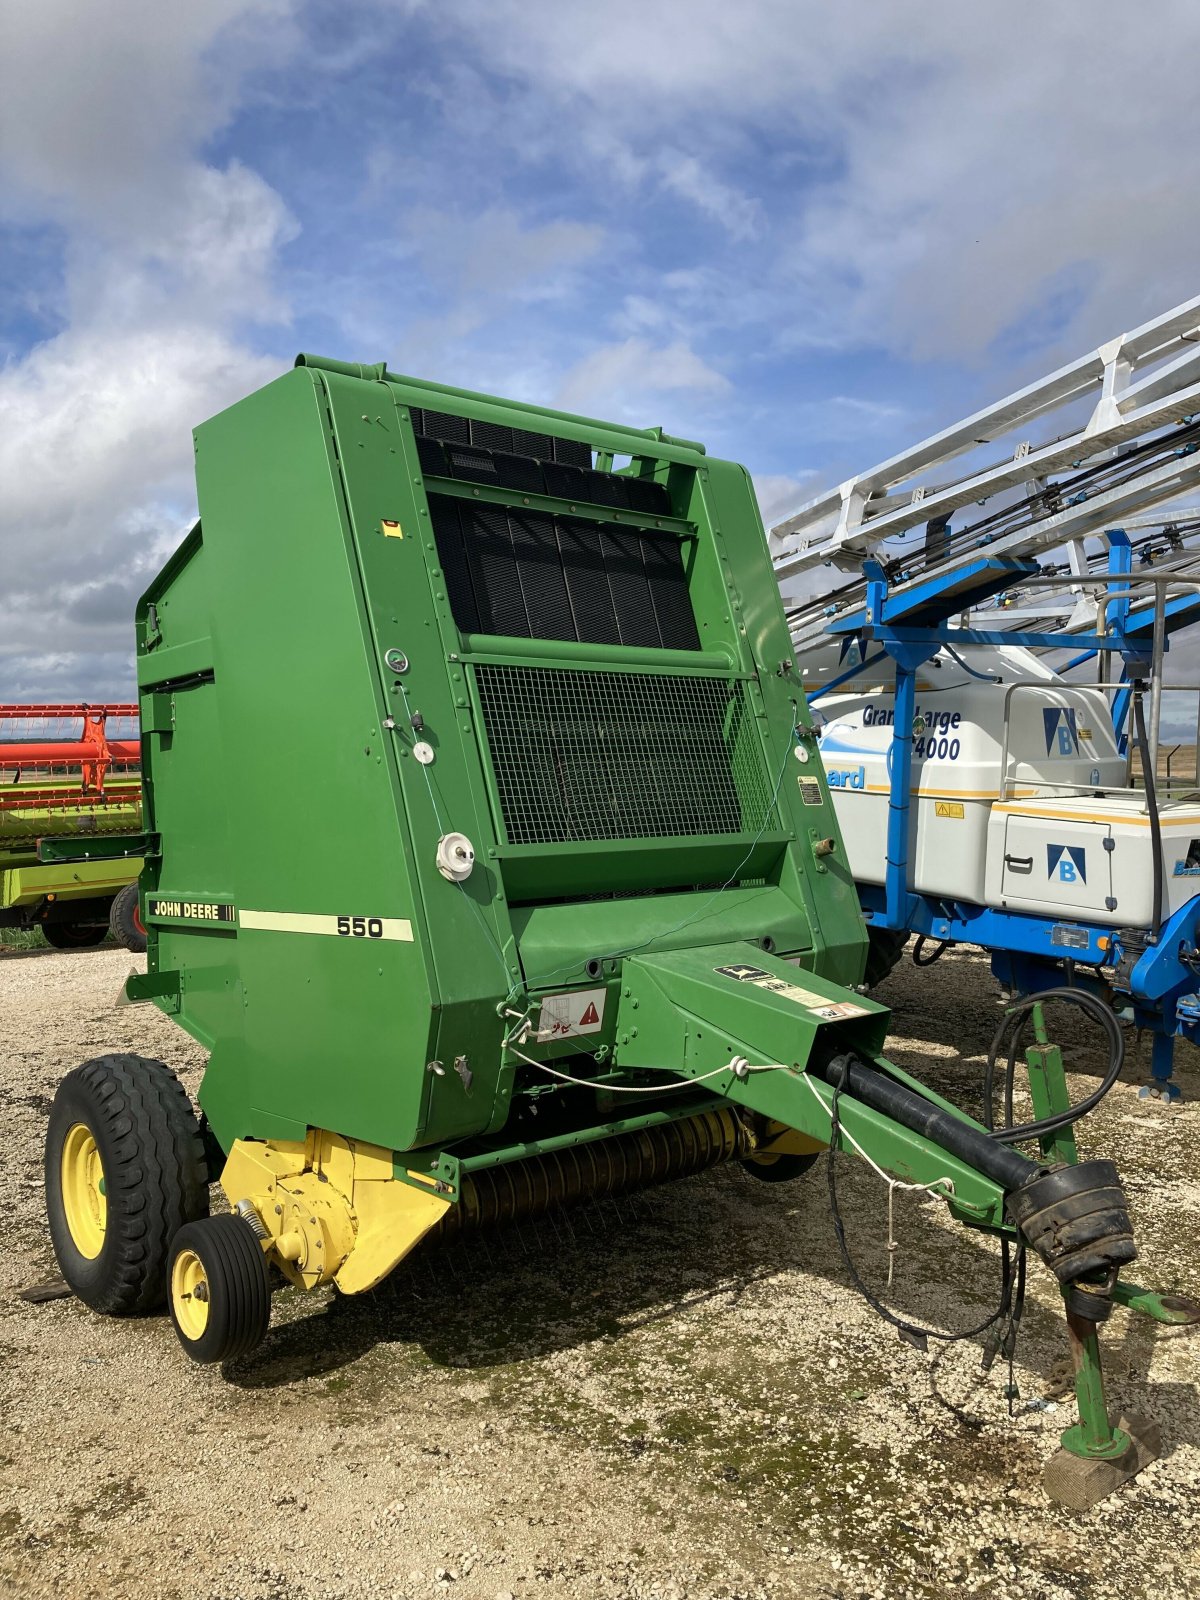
(1012, 1282)
(1131, 463)
(919, 959)
(1150, 778)
(1014, 1022)
(984, 677)
(910, 1330)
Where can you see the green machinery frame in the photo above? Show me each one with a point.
(319, 727)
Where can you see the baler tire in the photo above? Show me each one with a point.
(125, 920)
(781, 1168)
(124, 1171)
(73, 935)
(885, 946)
(223, 1255)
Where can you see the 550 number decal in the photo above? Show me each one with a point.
(360, 927)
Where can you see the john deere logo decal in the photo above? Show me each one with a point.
(1066, 862)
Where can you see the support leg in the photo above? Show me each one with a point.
(1095, 1458)
(1162, 1064)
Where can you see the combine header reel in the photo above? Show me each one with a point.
(69, 780)
(591, 925)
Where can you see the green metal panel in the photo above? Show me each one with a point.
(706, 1007)
(337, 977)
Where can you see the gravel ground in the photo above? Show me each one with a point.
(683, 1398)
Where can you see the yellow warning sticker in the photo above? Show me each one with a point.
(1085, 733)
(949, 808)
(392, 530)
(820, 1005)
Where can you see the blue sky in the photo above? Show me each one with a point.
(806, 234)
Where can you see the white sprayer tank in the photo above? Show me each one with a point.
(1055, 843)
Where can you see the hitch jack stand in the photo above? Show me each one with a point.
(1095, 1458)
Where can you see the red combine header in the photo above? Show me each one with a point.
(69, 775)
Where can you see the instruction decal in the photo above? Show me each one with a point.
(819, 1004)
(810, 791)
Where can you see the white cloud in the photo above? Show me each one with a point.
(779, 494)
(496, 253)
(102, 105)
(104, 112)
(740, 215)
(622, 380)
(965, 168)
(905, 175)
(96, 476)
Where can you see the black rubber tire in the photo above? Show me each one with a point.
(155, 1178)
(125, 920)
(782, 1168)
(239, 1287)
(885, 946)
(73, 935)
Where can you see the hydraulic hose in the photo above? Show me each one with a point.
(978, 1149)
(1151, 781)
(1014, 1022)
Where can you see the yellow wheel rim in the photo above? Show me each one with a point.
(189, 1294)
(82, 1182)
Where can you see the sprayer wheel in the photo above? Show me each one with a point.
(780, 1168)
(125, 1169)
(125, 920)
(220, 1288)
(73, 935)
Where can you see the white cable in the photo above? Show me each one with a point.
(942, 1187)
(739, 1066)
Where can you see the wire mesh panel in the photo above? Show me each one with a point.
(615, 755)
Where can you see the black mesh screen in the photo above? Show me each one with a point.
(535, 463)
(620, 755)
(494, 436)
(534, 576)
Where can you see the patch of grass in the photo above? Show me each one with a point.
(23, 939)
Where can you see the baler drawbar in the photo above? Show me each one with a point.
(589, 925)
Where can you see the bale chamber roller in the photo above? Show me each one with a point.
(532, 890)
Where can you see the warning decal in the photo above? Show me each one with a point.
(948, 808)
(820, 1006)
(810, 791)
(565, 1014)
